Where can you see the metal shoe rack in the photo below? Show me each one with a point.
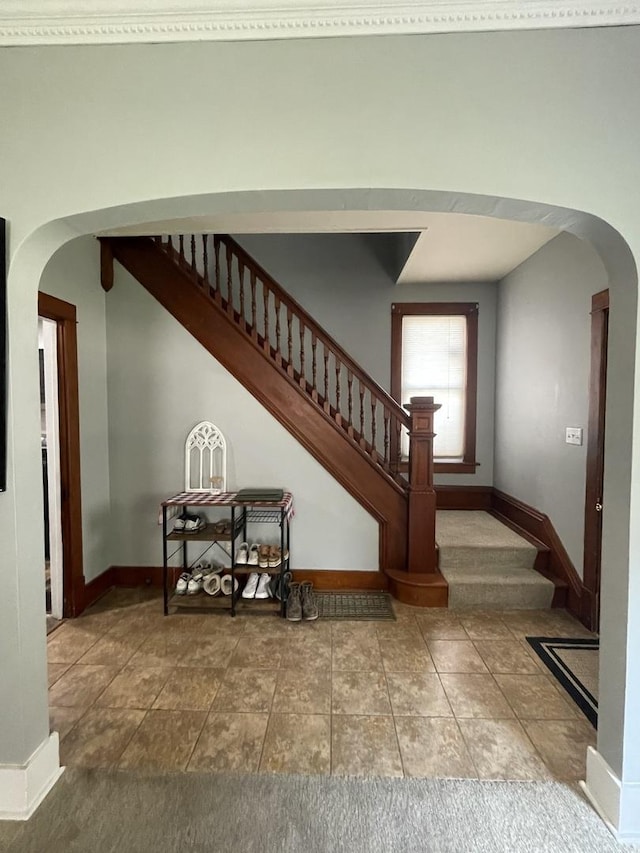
(242, 515)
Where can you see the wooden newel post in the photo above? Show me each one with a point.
(421, 552)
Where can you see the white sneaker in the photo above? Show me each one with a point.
(252, 584)
(225, 584)
(263, 586)
(183, 583)
(195, 583)
(252, 559)
(211, 584)
(242, 554)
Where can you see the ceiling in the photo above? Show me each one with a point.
(430, 246)
(27, 22)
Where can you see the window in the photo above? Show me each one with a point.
(434, 353)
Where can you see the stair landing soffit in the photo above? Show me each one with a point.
(25, 22)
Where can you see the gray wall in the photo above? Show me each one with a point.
(542, 382)
(342, 282)
(161, 383)
(73, 275)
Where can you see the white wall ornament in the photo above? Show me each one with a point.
(205, 459)
(31, 22)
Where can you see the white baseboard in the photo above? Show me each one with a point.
(617, 804)
(24, 787)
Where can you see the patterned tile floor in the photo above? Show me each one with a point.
(436, 693)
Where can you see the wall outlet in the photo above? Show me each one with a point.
(573, 435)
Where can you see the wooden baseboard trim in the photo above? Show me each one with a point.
(539, 526)
(463, 497)
(97, 587)
(341, 580)
(132, 576)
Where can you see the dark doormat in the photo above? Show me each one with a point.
(574, 663)
(355, 605)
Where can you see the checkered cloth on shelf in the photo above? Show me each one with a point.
(228, 499)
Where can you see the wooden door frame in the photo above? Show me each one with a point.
(595, 459)
(64, 315)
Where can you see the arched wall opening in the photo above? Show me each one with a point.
(30, 259)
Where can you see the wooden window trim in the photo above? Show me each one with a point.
(468, 464)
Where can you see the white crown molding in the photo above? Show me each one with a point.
(35, 22)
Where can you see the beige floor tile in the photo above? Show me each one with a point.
(67, 644)
(140, 622)
(506, 656)
(113, 651)
(364, 746)
(563, 745)
(455, 656)
(100, 737)
(160, 650)
(245, 690)
(441, 624)
(405, 654)
(164, 740)
(417, 694)
(62, 720)
(475, 695)
(302, 692)
(433, 748)
(400, 629)
(360, 693)
(485, 627)
(190, 689)
(297, 743)
(81, 685)
(535, 697)
(134, 687)
(230, 742)
(55, 670)
(356, 651)
(215, 651)
(256, 653)
(500, 749)
(307, 651)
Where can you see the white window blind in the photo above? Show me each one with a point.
(434, 364)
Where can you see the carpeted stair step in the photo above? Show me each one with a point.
(488, 565)
(499, 588)
(475, 540)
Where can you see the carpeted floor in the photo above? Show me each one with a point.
(100, 811)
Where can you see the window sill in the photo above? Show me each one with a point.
(452, 467)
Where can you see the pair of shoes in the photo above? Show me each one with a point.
(301, 603)
(215, 584)
(223, 527)
(189, 524)
(279, 586)
(191, 583)
(257, 586)
(264, 556)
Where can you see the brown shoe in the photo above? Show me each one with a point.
(263, 556)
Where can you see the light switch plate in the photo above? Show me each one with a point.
(573, 435)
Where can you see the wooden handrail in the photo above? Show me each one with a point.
(292, 339)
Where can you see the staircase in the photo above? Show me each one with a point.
(487, 565)
(270, 344)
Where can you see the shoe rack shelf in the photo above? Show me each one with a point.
(243, 514)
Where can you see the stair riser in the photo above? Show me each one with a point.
(475, 558)
(499, 597)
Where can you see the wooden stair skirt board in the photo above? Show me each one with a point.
(279, 393)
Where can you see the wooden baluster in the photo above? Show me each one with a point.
(194, 266)
(170, 244)
(314, 367)
(229, 284)
(243, 321)
(327, 392)
(289, 343)
(338, 370)
(362, 424)
(398, 444)
(350, 386)
(205, 257)
(387, 417)
(181, 251)
(216, 252)
(303, 378)
(276, 300)
(252, 281)
(374, 403)
(266, 344)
